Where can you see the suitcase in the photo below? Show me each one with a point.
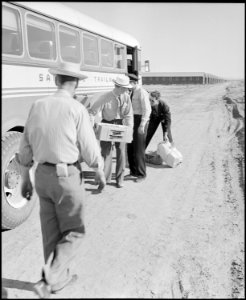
(169, 154)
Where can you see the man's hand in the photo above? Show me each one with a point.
(95, 126)
(26, 189)
(141, 129)
(165, 138)
(100, 179)
(26, 184)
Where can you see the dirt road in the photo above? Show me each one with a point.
(178, 234)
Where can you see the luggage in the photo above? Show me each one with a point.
(169, 154)
(153, 158)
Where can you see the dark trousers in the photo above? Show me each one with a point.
(136, 150)
(152, 127)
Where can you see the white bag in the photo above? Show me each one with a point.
(169, 154)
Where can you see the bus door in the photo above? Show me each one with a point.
(133, 60)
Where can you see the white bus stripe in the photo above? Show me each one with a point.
(51, 91)
(14, 91)
(25, 95)
(31, 94)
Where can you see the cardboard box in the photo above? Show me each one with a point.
(114, 133)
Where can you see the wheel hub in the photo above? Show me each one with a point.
(12, 179)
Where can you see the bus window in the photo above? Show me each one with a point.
(119, 52)
(90, 50)
(70, 45)
(107, 53)
(11, 32)
(41, 38)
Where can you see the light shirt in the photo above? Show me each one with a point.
(113, 107)
(141, 104)
(58, 130)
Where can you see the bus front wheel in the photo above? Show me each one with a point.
(15, 208)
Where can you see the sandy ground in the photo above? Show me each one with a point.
(178, 234)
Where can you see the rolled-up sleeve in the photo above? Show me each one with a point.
(88, 144)
(146, 108)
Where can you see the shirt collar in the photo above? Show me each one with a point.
(63, 92)
(115, 95)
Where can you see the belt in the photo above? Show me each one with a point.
(114, 121)
(53, 165)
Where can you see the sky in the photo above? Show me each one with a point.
(180, 37)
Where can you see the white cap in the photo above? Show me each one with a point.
(123, 81)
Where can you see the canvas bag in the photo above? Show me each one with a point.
(169, 154)
(153, 158)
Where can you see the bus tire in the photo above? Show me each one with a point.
(15, 208)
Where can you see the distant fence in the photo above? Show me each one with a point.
(180, 78)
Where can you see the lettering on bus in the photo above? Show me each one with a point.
(45, 77)
(102, 79)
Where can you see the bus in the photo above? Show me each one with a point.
(35, 37)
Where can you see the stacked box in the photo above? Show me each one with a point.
(114, 133)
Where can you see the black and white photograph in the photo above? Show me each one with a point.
(123, 150)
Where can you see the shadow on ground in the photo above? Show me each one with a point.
(15, 284)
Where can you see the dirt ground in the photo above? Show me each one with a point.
(178, 234)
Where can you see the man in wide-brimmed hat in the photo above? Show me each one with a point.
(57, 134)
(116, 108)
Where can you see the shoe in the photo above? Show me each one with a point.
(59, 286)
(119, 185)
(140, 179)
(42, 289)
(97, 182)
(131, 175)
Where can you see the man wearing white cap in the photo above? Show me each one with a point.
(57, 135)
(141, 111)
(116, 108)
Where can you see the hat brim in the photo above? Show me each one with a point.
(67, 73)
(128, 86)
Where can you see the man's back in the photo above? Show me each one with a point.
(59, 130)
(52, 128)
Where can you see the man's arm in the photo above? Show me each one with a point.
(96, 108)
(146, 110)
(89, 147)
(88, 144)
(25, 159)
(166, 121)
(127, 111)
(165, 115)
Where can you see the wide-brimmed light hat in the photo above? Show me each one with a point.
(123, 81)
(68, 69)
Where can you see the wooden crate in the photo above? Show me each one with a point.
(114, 133)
